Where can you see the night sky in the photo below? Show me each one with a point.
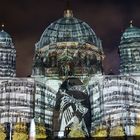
(26, 20)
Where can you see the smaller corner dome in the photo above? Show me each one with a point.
(5, 37)
(131, 34)
(68, 29)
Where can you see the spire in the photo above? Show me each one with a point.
(68, 12)
(131, 23)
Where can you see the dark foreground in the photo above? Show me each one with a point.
(110, 138)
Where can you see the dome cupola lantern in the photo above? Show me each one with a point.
(68, 13)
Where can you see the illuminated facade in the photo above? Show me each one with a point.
(72, 106)
(16, 99)
(68, 52)
(115, 98)
(45, 99)
(68, 88)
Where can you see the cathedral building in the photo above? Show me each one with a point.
(68, 89)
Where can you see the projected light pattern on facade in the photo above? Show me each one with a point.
(68, 95)
(7, 56)
(16, 99)
(72, 106)
(129, 50)
(116, 98)
(45, 99)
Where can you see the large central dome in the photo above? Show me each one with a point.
(68, 47)
(68, 29)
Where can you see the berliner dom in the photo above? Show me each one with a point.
(68, 94)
